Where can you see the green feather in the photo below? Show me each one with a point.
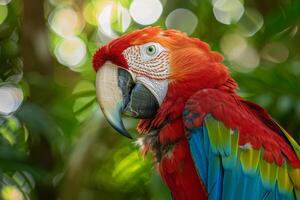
(294, 144)
(285, 184)
(219, 136)
(230, 161)
(295, 176)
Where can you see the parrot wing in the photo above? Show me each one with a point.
(233, 164)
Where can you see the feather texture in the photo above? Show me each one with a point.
(231, 168)
(250, 177)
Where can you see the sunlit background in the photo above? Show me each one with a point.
(54, 142)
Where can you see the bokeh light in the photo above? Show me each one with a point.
(145, 12)
(11, 98)
(89, 13)
(294, 31)
(237, 50)
(106, 33)
(71, 52)
(3, 13)
(275, 52)
(183, 20)
(11, 193)
(250, 23)
(54, 2)
(232, 45)
(4, 2)
(123, 17)
(228, 11)
(65, 21)
(112, 19)
(247, 60)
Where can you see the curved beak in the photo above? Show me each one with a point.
(118, 94)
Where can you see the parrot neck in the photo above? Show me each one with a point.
(185, 91)
(157, 132)
(173, 105)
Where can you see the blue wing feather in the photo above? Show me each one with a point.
(196, 142)
(215, 174)
(223, 175)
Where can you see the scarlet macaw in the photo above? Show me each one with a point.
(207, 142)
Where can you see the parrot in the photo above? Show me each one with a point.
(207, 141)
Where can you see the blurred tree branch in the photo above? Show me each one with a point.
(37, 60)
(81, 159)
(34, 41)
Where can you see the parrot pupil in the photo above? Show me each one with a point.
(151, 50)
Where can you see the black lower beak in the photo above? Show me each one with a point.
(118, 94)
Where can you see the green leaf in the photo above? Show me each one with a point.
(85, 100)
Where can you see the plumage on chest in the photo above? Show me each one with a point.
(173, 161)
(150, 142)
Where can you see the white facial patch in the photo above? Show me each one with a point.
(158, 88)
(150, 60)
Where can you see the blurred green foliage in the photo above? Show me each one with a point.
(57, 144)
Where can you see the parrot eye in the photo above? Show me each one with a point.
(150, 59)
(150, 50)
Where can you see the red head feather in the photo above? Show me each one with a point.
(193, 65)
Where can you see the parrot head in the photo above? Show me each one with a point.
(139, 71)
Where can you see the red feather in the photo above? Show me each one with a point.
(180, 174)
(254, 124)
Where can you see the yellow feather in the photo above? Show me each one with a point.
(268, 173)
(249, 160)
(284, 181)
(295, 176)
(294, 144)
